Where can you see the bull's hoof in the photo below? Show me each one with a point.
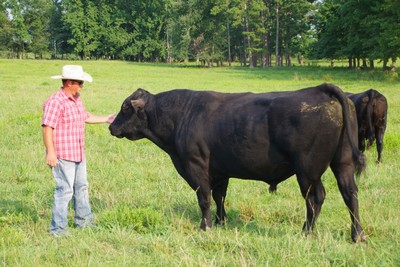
(205, 229)
(205, 226)
(359, 238)
(220, 222)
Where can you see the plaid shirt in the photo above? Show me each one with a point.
(67, 117)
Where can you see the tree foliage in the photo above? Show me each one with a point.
(364, 30)
(253, 32)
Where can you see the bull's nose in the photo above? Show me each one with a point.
(113, 131)
(111, 128)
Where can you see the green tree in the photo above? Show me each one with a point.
(149, 19)
(36, 15)
(209, 42)
(389, 32)
(80, 19)
(328, 30)
(133, 29)
(6, 29)
(58, 31)
(183, 22)
(360, 30)
(294, 27)
(21, 37)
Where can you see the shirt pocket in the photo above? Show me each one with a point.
(71, 117)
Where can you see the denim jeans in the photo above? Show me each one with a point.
(72, 183)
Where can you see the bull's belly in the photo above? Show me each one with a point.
(267, 172)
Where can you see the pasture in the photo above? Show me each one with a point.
(147, 215)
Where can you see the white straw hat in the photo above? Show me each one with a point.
(73, 72)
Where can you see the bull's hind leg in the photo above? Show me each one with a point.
(379, 133)
(314, 194)
(219, 194)
(345, 178)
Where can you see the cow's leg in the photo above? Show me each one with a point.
(314, 194)
(272, 188)
(196, 174)
(345, 178)
(379, 142)
(361, 142)
(219, 194)
(204, 199)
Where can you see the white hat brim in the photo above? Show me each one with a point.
(85, 77)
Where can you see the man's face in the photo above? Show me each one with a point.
(76, 87)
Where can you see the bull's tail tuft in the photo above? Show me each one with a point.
(361, 162)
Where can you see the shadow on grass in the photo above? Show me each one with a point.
(15, 212)
(309, 72)
(275, 226)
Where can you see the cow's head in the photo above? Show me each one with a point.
(131, 121)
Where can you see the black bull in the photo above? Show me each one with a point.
(213, 136)
(372, 108)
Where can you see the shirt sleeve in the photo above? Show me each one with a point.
(52, 111)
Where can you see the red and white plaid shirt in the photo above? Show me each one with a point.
(67, 117)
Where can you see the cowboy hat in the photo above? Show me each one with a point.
(73, 72)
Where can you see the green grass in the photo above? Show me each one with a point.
(145, 212)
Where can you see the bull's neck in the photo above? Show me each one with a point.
(162, 124)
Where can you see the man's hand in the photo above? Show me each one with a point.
(93, 119)
(51, 159)
(111, 117)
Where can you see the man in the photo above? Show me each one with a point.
(63, 126)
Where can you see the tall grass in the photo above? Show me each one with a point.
(145, 212)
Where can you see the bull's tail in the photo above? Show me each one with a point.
(358, 157)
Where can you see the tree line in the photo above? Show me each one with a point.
(252, 32)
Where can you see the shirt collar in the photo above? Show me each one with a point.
(64, 94)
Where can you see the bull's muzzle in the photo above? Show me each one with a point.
(114, 131)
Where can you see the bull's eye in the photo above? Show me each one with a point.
(125, 107)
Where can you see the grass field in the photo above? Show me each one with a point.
(145, 212)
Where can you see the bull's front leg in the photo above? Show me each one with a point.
(197, 175)
(204, 199)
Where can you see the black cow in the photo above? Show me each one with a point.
(371, 107)
(213, 136)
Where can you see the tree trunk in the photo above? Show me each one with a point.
(393, 66)
(265, 42)
(229, 45)
(244, 56)
(277, 58)
(168, 49)
(364, 63)
(385, 61)
(246, 19)
(288, 60)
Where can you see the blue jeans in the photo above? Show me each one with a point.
(71, 183)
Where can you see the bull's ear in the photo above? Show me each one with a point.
(138, 104)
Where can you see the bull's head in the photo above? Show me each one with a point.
(131, 121)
